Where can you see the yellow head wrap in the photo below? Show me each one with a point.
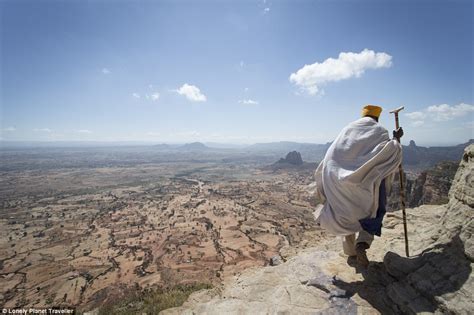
(371, 110)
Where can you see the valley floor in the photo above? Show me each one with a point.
(322, 279)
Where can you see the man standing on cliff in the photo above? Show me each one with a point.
(353, 181)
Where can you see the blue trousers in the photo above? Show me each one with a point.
(374, 225)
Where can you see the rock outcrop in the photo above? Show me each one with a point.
(437, 278)
(293, 158)
(431, 187)
(458, 219)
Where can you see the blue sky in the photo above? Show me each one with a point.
(180, 71)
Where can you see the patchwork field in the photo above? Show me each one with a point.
(83, 236)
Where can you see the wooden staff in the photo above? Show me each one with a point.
(402, 184)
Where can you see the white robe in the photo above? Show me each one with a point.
(349, 177)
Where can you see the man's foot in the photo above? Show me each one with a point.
(352, 261)
(362, 259)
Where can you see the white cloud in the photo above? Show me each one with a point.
(242, 63)
(246, 89)
(155, 96)
(192, 93)
(266, 10)
(416, 115)
(85, 131)
(47, 130)
(105, 71)
(439, 113)
(445, 112)
(9, 129)
(416, 118)
(310, 78)
(417, 123)
(248, 102)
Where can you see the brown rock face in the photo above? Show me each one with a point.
(434, 185)
(431, 187)
(458, 219)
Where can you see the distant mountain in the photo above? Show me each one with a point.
(416, 157)
(194, 146)
(311, 151)
(219, 145)
(287, 146)
(293, 158)
(291, 162)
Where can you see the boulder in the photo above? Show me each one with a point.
(276, 260)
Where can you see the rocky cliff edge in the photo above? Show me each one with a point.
(437, 278)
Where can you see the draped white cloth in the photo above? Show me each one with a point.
(349, 177)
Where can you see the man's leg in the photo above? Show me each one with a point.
(349, 245)
(364, 240)
(365, 237)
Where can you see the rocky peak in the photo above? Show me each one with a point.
(412, 143)
(293, 158)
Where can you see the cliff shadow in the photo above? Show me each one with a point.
(412, 285)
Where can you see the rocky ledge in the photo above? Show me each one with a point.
(437, 278)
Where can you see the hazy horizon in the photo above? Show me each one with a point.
(98, 143)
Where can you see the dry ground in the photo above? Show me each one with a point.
(85, 236)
